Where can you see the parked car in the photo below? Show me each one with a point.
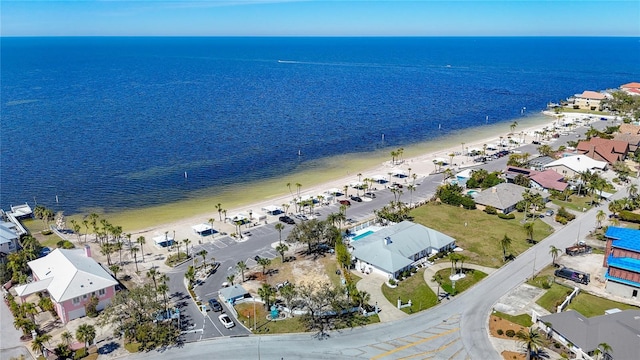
(356, 198)
(573, 275)
(370, 195)
(226, 321)
(345, 202)
(549, 212)
(215, 305)
(287, 220)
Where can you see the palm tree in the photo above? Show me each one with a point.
(114, 269)
(505, 243)
(219, 208)
(38, 343)
(264, 262)
(152, 273)
(600, 216)
(30, 310)
(203, 253)
(279, 227)
(186, 243)
(211, 221)
(632, 190)
(230, 279)
(190, 275)
(531, 341)
(528, 227)
(141, 241)
(603, 348)
(555, 252)
(281, 249)
(241, 266)
(345, 189)
(66, 337)
(86, 333)
(163, 289)
(266, 293)
(513, 125)
(134, 251)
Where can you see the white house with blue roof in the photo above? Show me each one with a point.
(622, 260)
(396, 248)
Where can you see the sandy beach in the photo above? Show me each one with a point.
(337, 173)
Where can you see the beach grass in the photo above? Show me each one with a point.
(413, 288)
(481, 237)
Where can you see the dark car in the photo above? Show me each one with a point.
(287, 220)
(356, 198)
(215, 305)
(345, 202)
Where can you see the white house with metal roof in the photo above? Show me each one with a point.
(570, 166)
(71, 278)
(8, 237)
(396, 248)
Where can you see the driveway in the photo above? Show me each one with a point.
(10, 345)
(372, 283)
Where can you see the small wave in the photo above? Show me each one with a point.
(20, 102)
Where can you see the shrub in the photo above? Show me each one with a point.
(562, 220)
(500, 332)
(91, 307)
(626, 215)
(46, 232)
(510, 333)
(562, 212)
(392, 282)
(80, 353)
(507, 216)
(490, 210)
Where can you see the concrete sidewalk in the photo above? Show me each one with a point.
(10, 344)
(372, 283)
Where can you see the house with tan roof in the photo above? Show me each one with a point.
(604, 149)
(630, 134)
(71, 278)
(504, 197)
(589, 100)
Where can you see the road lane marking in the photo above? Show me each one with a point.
(431, 351)
(393, 351)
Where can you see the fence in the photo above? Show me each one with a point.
(567, 301)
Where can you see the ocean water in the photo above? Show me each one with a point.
(116, 123)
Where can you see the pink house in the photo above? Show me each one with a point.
(71, 278)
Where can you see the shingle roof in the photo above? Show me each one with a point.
(587, 94)
(550, 179)
(629, 129)
(233, 292)
(69, 273)
(406, 239)
(631, 85)
(503, 196)
(610, 150)
(620, 330)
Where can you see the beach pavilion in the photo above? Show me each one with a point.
(379, 179)
(273, 210)
(163, 240)
(203, 229)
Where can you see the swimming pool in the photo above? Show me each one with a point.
(363, 235)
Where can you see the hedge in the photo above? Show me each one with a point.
(506, 216)
(626, 215)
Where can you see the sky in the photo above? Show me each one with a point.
(319, 18)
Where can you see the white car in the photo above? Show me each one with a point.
(226, 321)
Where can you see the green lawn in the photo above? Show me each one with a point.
(591, 305)
(414, 289)
(522, 319)
(554, 297)
(576, 203)
(473, 276)
(482, 235)
(245, 315)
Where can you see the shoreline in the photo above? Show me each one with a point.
(316, 177)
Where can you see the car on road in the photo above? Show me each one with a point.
(345, 202)
(356, 198)
(370, 195)
(226, 321)
(215, 305)
(287, 220)
(301, 217)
